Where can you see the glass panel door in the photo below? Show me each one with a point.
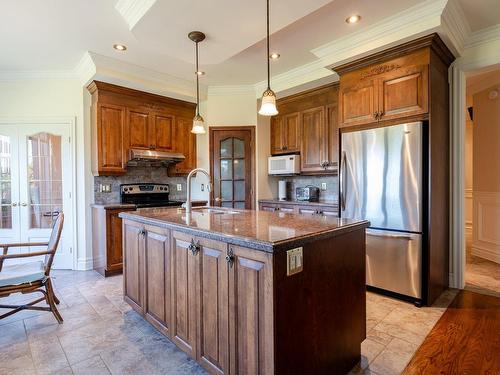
(45, 186)
(9, 185)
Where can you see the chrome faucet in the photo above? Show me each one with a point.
(188, 189)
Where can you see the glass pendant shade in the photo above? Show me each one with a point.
(198, 125)
(268, 104)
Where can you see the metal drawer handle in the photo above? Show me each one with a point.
(230, 257)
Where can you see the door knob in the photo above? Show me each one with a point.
(24, 204)
(14, 204)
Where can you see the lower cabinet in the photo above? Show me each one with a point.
(213, 300)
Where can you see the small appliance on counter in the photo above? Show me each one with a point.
(309, 193)
(284, 190)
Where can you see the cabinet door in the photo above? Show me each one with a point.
(133, 265)
(163, 132)
(277, 130)
(111, 140)
(138, 128)
(404, 92)
(291, 132)
(213, 341)
(184, 295)
(358, 102)
(313, 148)
(157, 276)
(185, 143)
(332, 130)
(251, 312)
(114, 246)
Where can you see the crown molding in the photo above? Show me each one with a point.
(231, 90)
(483, 36)
(455, 26)
(86, 69)
(418, 20)
(133, 10)
(294, 77)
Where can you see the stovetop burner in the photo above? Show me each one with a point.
(147, 195)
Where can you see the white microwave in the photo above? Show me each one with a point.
(283, 165)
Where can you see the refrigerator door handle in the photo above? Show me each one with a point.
(393, 236)
(343, 181)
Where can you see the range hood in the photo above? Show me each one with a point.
(157, 156)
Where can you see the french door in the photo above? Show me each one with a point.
(35, 185)
(232, 159)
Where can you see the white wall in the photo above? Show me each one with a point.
(58, 98)
(234, 108)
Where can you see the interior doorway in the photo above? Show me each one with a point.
(232, 161)
(482, 181)
(36, 180)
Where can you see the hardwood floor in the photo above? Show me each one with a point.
(466, 340)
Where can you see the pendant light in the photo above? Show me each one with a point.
(198, 121)
(268, 102)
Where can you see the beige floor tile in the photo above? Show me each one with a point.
(394, 358)
(369, 351)
(91, 366)
(48, 355)
(16, 359)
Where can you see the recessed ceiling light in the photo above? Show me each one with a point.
(353, 19)
(120, 47)
(274, 56)
(200, 73)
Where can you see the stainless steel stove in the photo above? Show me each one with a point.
(147, 195)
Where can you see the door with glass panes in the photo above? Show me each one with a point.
(232, 159)
(35, 185)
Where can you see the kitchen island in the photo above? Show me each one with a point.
(250, 292)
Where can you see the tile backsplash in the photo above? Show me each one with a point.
(140, 174)
(332, 185)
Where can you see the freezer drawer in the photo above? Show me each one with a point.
(394, 261)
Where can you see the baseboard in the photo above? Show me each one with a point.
(484, 253)
(85, 264)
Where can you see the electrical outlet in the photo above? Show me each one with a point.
(294, 262)
(105, 188)
(179, 187)
(323, 186)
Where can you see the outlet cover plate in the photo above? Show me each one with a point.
(323, 186)
(179, 187)
(294, 261)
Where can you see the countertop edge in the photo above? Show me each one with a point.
(248, 242)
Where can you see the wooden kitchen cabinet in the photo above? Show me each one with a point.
(308, 124)
(107, 239)
(184, 143)
(395, 89)
(185, 292)
(157, 277)
(133, 276)
(285, 134)
(123, 118)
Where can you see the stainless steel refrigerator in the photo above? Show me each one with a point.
(381, 181)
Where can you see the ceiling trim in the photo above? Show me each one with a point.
(231, 90)
(456, 26)
(483, 36)
(133, 10)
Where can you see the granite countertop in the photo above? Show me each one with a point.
(260, 230)
(117, 205)
(321, 202)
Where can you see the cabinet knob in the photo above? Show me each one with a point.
(285, 148)
(142, 232)
(375, 115)
(194, 247)
(380, 114)
(230, 257)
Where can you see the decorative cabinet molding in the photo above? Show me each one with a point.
(123, 118)
(385, 68)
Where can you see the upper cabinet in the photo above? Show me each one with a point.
(308, 124)
(285, 134)
(394, 89)
(123, 118)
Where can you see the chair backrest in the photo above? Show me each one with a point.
(55, 236)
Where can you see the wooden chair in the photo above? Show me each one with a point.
(31, 277)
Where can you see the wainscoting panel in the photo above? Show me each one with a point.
(486, 229)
